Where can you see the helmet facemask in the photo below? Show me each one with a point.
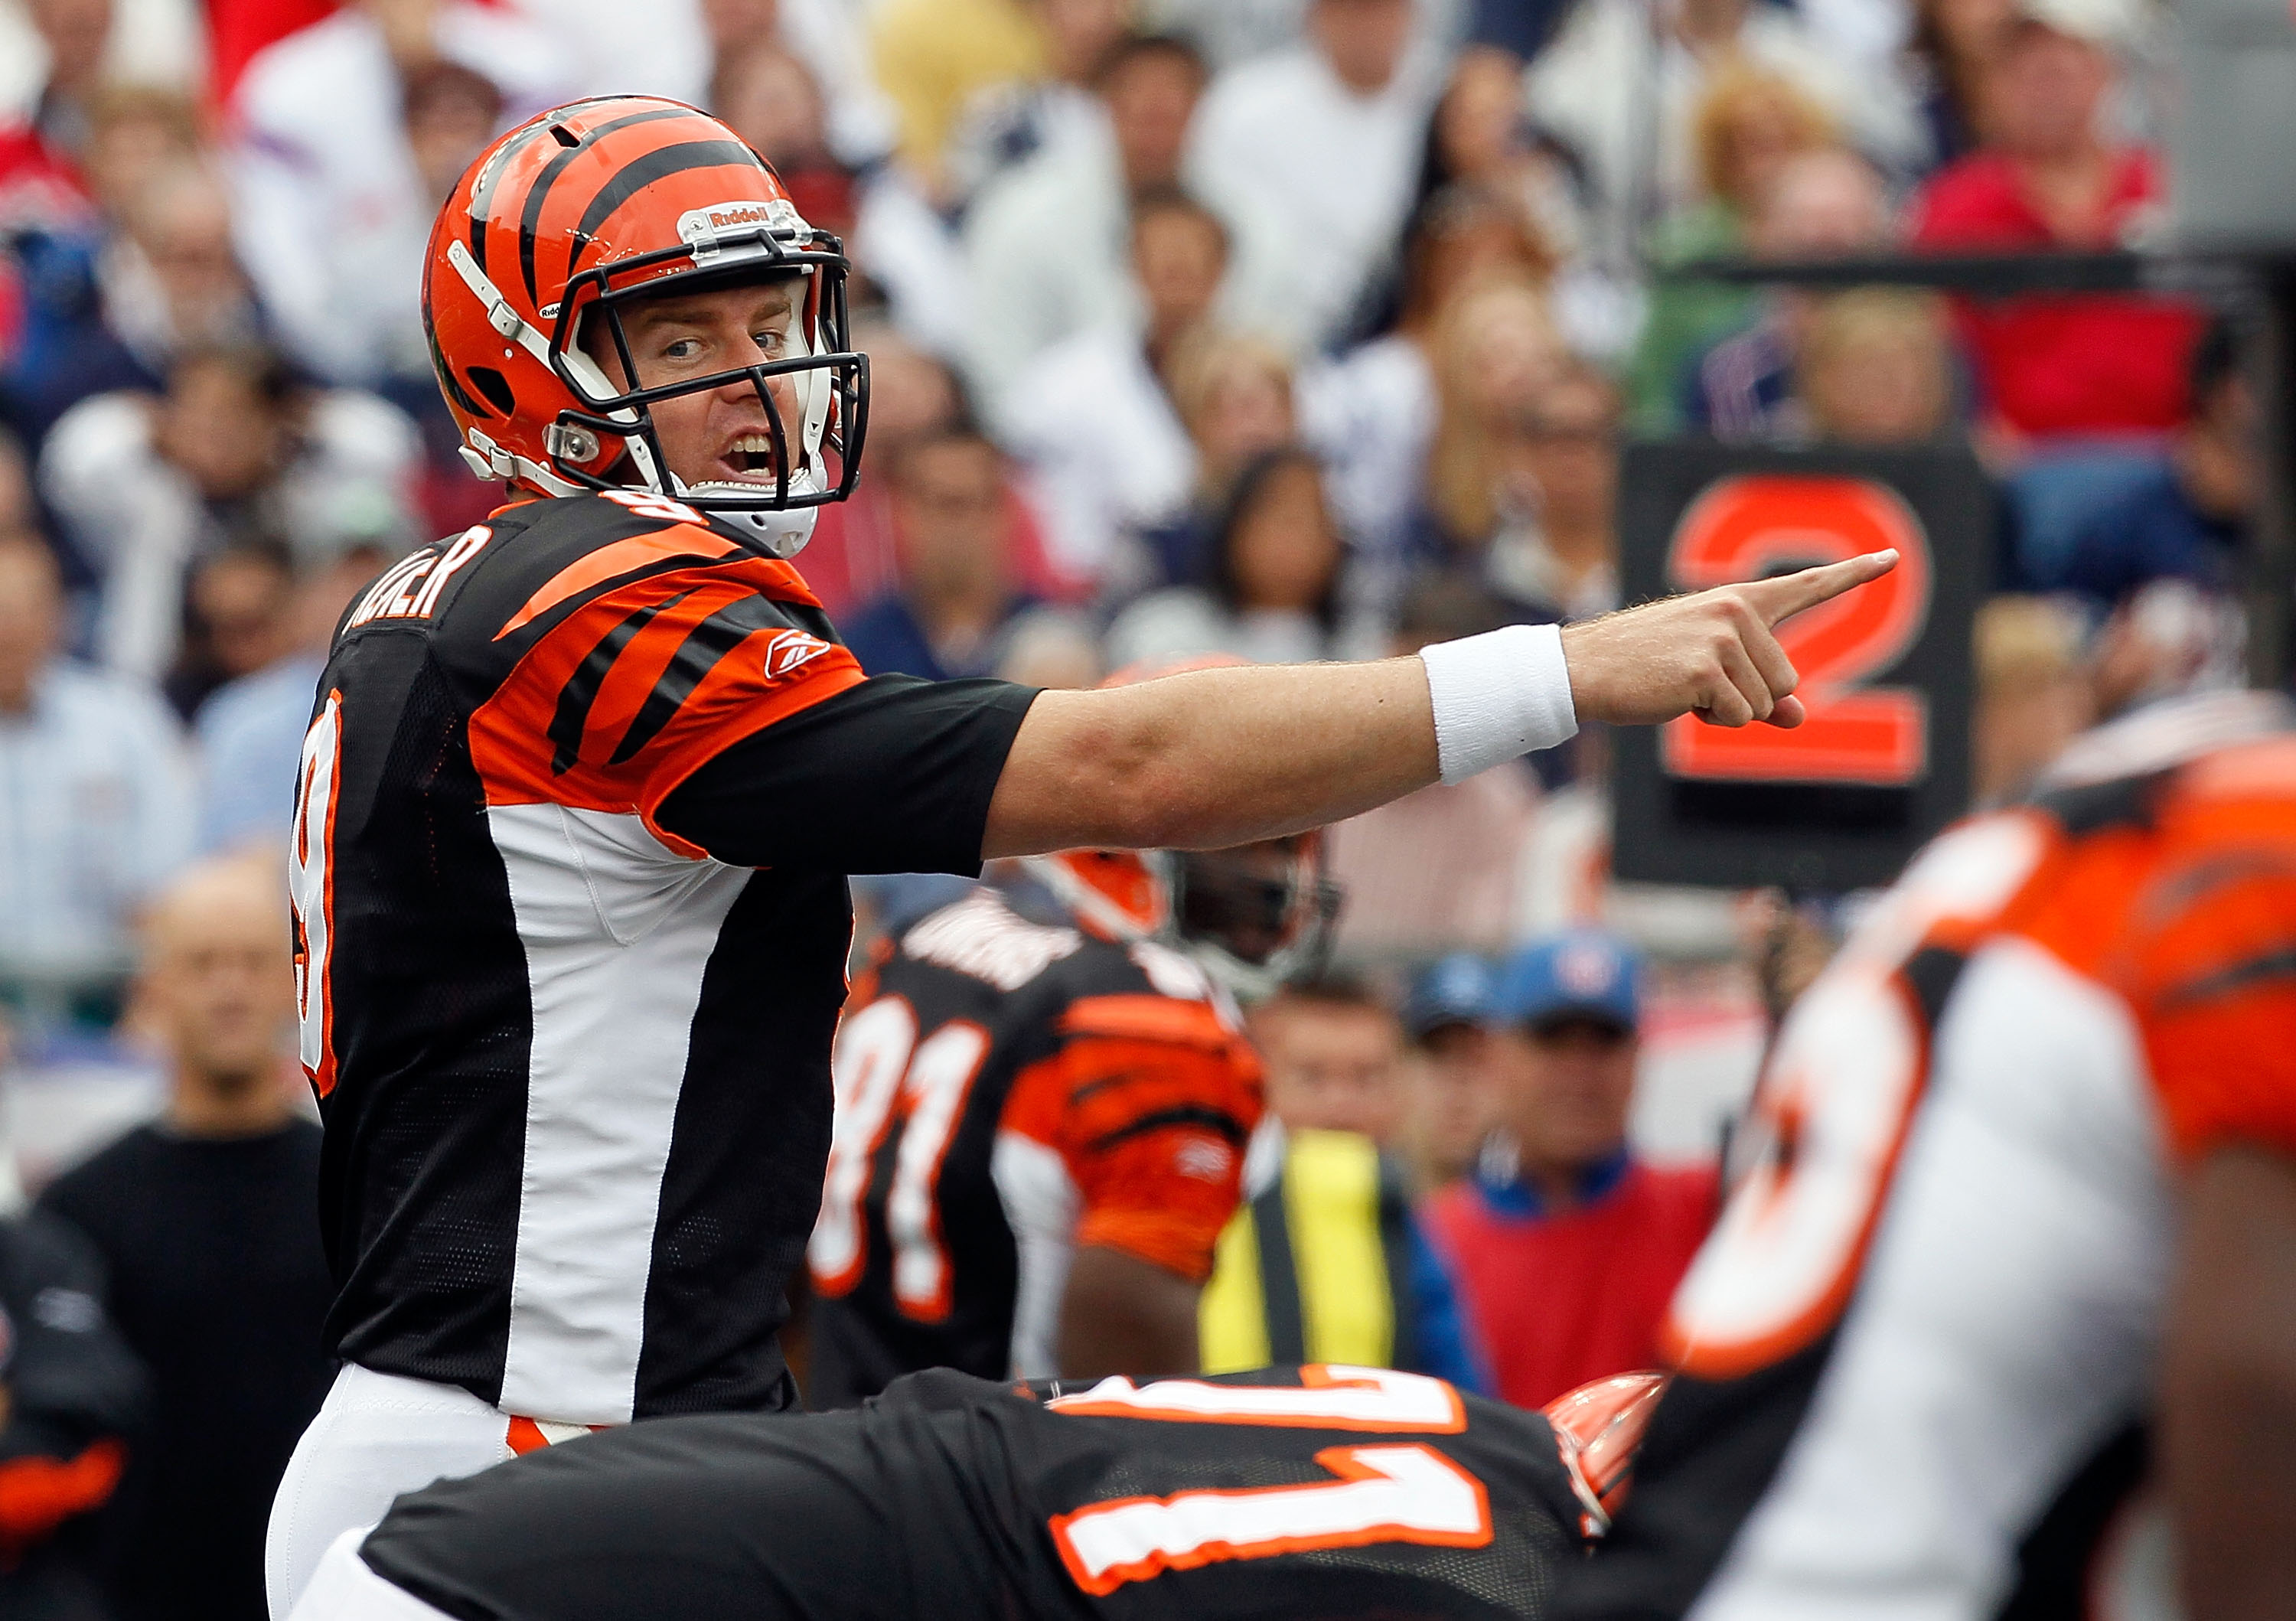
(1255, 921)
(614, 445)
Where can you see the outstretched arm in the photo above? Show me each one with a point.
(1217, 758)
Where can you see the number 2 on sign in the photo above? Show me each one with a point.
(1740, 528)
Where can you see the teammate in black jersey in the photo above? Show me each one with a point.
(1329, 1493)
(584, 782)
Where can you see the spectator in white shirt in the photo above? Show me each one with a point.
(1094, 418)
(1008, 123)
(1047, 244)
(234, 452)
(332, 209)
(1311, 153)
(1623, 93)
(95, 807)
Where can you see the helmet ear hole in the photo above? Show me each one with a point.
(495, 387)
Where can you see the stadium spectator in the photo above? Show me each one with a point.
(932, 57)
(1333, 1052)
(250, 732)
(1497, 352)
(164, 283)
(1876, 368)
(204, 1220)
(235, 619)
(1453, 1107)
(1436, 871)
(1326, 1261)
(1009, 124)
(74, 1400)
(94, 789)
(1236, 398)
(1565, 463)
(768, 96)
(1094, 416)
(1310, 153)
(1953, 46)
(854, 558)
(1593, 89)
(1478, 136)
(1566, 1247)
(831, 38)
(1371, 412)
(235, 452)
(1048, 245)
(332, 205)
(2045, 177)
(2033, 693)
(959, 594)
(1823, 204)
(2188, 517)
(1748, 125)
(1271, 584)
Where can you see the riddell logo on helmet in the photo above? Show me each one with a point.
(777, 216)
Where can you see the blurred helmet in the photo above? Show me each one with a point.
(1254, 918)
(1598, 1432)
(556, 228)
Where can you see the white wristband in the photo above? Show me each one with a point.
(1498, 695)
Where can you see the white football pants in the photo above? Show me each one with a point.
(376, 1435)
(344, 1589)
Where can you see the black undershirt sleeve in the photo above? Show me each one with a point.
(893, 775)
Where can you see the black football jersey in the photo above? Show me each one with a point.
(577, 805)
(1007, 1091)
(1332, 1493)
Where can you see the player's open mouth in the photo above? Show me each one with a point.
(750, 458)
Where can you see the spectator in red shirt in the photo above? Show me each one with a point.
(1566, 1248)
(2047, 179)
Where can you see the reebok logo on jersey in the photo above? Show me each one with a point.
(789, 649)
(1205, 1158)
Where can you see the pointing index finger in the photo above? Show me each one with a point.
(1788, 595)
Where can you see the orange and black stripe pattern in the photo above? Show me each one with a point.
(650, 675)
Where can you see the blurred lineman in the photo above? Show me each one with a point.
(1040, 1129)
(2018, 1232)
(1342, 1494)
(1566, 1246)
(203, 1220)
(584, 784)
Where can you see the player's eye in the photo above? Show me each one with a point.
(681, 348)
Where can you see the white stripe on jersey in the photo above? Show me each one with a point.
(2004, 1328)
(1042, 1204)
(617, 932)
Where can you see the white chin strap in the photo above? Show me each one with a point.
(782, 532)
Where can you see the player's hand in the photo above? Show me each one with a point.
(1712, 655)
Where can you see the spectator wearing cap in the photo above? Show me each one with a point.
(1566, 1247)
(1326, 1261)
(2047, 179)
(1447, 1019)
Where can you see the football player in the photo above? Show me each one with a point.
(2020, 1234)
(1041, 1127)
(1327, 1491)
(583, 785)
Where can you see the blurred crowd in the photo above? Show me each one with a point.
(1284, 329)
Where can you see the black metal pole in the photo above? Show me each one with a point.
(2270, 585)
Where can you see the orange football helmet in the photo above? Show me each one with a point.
(1254, 918)
(556, 228)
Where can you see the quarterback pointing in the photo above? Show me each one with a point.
(583, 785)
